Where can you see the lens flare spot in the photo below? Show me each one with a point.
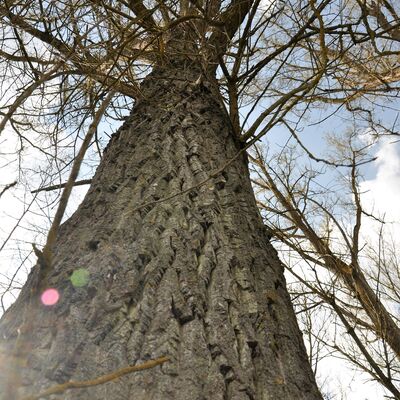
(80, 277)
(50, 297)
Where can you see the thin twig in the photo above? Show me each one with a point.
(61, 185)
(99, 380)
(9, 186)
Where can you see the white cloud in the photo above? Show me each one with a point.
(381, 195)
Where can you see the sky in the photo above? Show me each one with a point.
(380, 194)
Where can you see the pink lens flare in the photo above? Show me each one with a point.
(50, 297)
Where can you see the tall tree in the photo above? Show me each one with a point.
(179, 261)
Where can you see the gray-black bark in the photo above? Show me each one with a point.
(193, 277)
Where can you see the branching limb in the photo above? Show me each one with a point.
(52, 235)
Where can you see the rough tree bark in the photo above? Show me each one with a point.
(192, 277)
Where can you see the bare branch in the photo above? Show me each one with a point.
(99, 380)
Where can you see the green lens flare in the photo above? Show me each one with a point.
(80, 277)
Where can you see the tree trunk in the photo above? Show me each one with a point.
(192, 277)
